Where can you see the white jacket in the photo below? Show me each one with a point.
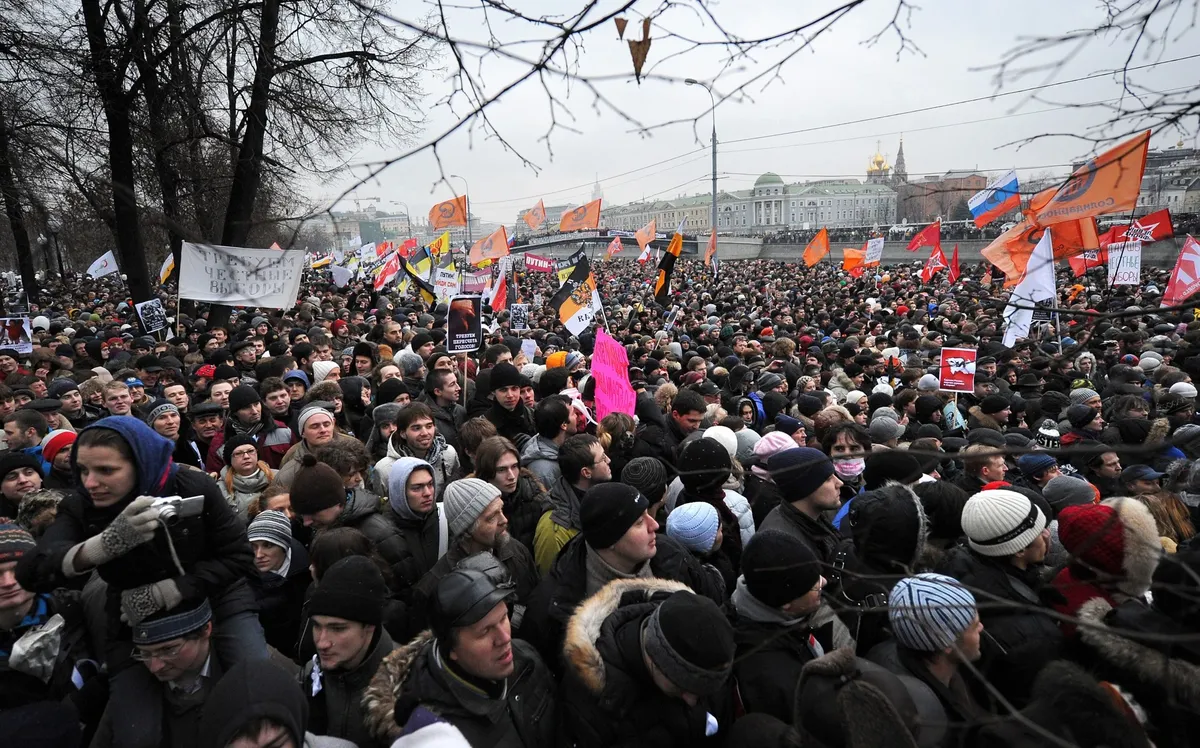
(445, 469)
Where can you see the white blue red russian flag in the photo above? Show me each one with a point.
(998, 198)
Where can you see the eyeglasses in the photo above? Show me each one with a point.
(169, 653)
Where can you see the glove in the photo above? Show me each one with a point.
(132, 527)
(140, 603)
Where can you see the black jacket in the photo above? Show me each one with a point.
(769, 659)
(336, 708)
(281, 601)
(564, 588)
(447, 420)
(818, 534)
(410, 546)
(659, 440)
(516, 425)
(1018, 639)
(517, 559)
(212, 549)
(608, 697)
(525, 506)
(523, 715)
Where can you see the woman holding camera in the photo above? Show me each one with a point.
(150, 561)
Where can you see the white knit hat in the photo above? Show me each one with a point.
(463, 502)
(724, 436)
(1001, 523)
(1186, 389)
(322, 369)
(928, 383)
(694, 525)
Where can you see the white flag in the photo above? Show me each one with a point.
(341, 275)
(105, 264)
(1037, 285)
(167, 268)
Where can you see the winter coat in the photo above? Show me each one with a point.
(1163, 675)
(241, 491)
(516, 425)
(560, 592)
(657, 435)
(211, 547)
(418, 675)
(963, 716)
(447, 420)
(540, 456)
(281, 600)
(737, 504)
(524, 507)
(979, 420)
(290, 465)
(763, 496)
(772, 650)
(19, 687)
(1018, 638)
(335, 699)
(608, 697)
(441, 457)
(409, 546)
(820, 536)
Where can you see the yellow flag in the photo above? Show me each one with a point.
(441, 245)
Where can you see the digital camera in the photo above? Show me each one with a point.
(171, 509)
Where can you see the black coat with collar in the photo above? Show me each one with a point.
(818, 535)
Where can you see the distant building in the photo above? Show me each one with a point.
(936, 196)
(1171, 180)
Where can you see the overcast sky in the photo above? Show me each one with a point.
(838, 80)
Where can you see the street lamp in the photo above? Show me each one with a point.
(711, 98)
(467, 196)
(55, 226)
(407, 215)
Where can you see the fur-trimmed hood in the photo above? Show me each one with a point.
(1179, 679)
(583, 630)
(984, 420)
(379, 699)
(1143, 549)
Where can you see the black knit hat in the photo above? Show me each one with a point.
(316, 486)
(233, 442)
(10, 461)
(364, 349)
(1081, 415)
(993, 404)
(890, 465)
(648, 475)
(777, 569)
(242, 396)
(703, 464)
(352, 589)
(690, 641)
(607, 511)
(505, 375)
(390, 390)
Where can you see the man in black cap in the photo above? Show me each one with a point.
(208, 422)
(469, 671)
(345, 617)
(991, 413)
(648, 663)
(67, 392)
(175, 647)
(248, 417)
(618, 540)
(511, 417)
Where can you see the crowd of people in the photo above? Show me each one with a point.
(314, 527)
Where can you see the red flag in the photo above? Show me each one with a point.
(645, 255)
(1185, 278)
(382, 249)
(1147, 229)
(954, 272)
(930, 236)
(1091, 258)
(614, 247)
(936, 262)
(390, 270)
(407, 248)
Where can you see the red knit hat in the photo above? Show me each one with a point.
(1094, 534)
(55, 443)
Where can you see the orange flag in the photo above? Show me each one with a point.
(535, 216)
(491, 247)
(712, 249)
(645, 235)
(852, 258)
(450, 213)
(1108, 183)
(1011, 250)
(583, 217)
(817, 248)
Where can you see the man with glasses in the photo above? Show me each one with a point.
(178, 669)
(582, 463)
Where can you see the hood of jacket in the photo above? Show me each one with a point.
(1180, 679)
(379, 699)
(889, 528)
(539, 448)
(151, 454)
(565, 503)
(985, 421)
(648, 412)
(398, 481)
(359, 503)
(583, 631)
(253, 690)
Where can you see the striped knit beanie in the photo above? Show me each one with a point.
(271, 526)
(15, 542)
(929, 611)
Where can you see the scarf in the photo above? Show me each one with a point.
(435, 450)
(600, 573)
(242, 430)
(756, 610)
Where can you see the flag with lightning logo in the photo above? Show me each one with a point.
(662, 286)
(1185, 278)
(577, 300)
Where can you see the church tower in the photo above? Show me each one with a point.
(597, 193)
(899, 170)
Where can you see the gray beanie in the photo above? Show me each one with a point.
(463, 502)
(1081, 395)
(1067, 490)
(927, 383)
(409, 362)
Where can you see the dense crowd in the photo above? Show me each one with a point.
(314, 527)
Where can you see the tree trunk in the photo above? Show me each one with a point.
(109, 84)
(247, 172)
(16, 217)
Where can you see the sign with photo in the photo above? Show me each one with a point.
(464, 325)
(957, 370)
(17, 334)
(519, 316)
(152, 315)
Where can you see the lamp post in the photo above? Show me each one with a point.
(44, 243)
(55, 226)
(467, 195)
(713, 100)
(407, 216)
